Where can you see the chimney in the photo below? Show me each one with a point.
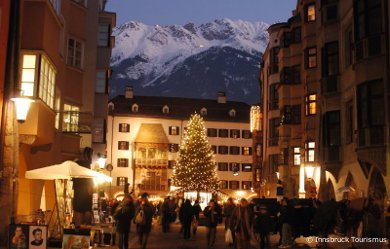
(221, 98)
(129, 93)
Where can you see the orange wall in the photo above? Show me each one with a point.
(4, 23)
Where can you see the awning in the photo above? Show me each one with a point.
(65, 170)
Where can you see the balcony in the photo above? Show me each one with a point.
(151, 163)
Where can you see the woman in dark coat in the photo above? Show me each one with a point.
(123, 215)
(144, 228)
(186, 215)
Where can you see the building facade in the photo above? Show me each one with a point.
(63, 46)
(325, 106)
(144, 136)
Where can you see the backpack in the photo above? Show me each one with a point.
(140, 218)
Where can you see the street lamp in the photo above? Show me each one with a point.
(22, 105)
(101, 161)
(309, 171)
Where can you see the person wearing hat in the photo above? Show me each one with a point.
(212, 213)
(263, 225)
(143, 219)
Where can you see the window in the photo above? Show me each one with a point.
(123, 162)
(165, 109)
(234, 150)
(246, 185)
(121, 181)
(75, 53)
(234, 184)
(310, 151)
(47, 78)
(273, 131)
(371, 115)
(332, 128)
(101, 81)
(203, 111)
(214, 148)
(104, 35)
(311, 57)
(223, 184)
(235, 167)
(212, 132)
(274, 60)
(223, 166)
(56, 6)
(232, 113)
(57, 109)
(349, 122)
(273, 97)
(291, 114)
(174, 130)
(223, 133)
(124, 127)
(246, 151)
(123, 145)
(70, 118)
(331, 59)
(291, 75)
(246, 134)
(297, 156)
(134, 108)
(173, 148)
(246, 167)
(171, 164)
(296, 35)
(81, 2)
(222, 150)
(99, 131)
(234, 133)
(348, 45)
(330, 13)
(310, 104)
(310, 13)
(273, 165)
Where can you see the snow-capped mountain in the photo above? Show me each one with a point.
(190, 60)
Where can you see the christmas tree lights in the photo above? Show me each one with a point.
(195, 168)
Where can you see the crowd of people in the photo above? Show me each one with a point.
(242, 221)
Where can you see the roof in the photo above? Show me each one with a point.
(151, 133)
(179, 108)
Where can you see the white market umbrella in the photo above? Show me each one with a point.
(65, 170)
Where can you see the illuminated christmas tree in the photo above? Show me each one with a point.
(195, 169)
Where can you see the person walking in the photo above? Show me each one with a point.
(241, 220)
(123, 215)
(212, 213)
(228, 210)
(186, 214)
(165, 215)
(143, 219)
(285, 217)
(263, 226)
(197, 209)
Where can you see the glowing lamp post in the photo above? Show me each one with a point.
(102, 162)
(22, 106)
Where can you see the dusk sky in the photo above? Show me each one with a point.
(165, 12)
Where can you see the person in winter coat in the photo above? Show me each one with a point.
(263, 225)
(228, 210)
(285, 219)
(144, 225)
(197, 209)
(186, 215)
(212, 213)
(165, 215)
(123, 215)
(241, 220)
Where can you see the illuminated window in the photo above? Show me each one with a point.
(246, 185)
(121, 181)
(232, 113)
(311, 57)
(123, 145)
(124, 127)
(75, 53)
(134, 108)
(311, 104)
(28, 74)
(310, 151)
(57, 109)
(297, 156)
(246, 151)
(174, 130)
(70, 118)
(311, 13)
(246, 167)
(47, 81)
